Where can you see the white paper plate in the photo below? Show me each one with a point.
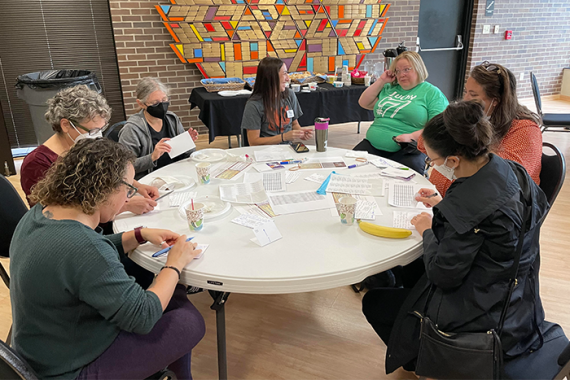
(216, 206)
(185, 183)
(208, 155)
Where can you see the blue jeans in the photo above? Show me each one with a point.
(170, 343)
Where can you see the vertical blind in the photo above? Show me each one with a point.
(54, 34)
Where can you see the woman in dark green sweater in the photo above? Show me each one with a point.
(76, 313)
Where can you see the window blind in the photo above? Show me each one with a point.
(54, 34)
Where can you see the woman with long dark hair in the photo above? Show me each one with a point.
(517, 134)
(270, 115)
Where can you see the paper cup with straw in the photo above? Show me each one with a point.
(195, 215)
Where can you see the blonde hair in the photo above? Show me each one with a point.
(416, 61)
(76, 103)
(84, 177)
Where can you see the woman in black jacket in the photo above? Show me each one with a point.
(469, 247)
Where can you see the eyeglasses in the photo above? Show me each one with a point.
(487, 65)
(91, 132)
(428, 164)
(164, 100)
(131, 189)
(403, 71)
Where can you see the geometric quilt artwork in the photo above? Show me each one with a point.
(228, 38)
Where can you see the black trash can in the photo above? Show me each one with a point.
(36, 88)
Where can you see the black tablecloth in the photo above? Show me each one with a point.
(222, 115)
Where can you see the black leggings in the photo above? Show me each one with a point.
(381, 307)
(415, 160)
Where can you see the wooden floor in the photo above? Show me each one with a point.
(323, 335)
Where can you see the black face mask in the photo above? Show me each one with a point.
(158, 110)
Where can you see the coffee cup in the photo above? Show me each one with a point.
(346, 208)
(203, 171)
(195, 216)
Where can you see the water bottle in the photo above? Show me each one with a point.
(321, 133)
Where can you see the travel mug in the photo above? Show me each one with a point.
(321, 133)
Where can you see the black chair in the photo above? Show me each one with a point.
(564, 362)
(551, 122)
(112, 132)
(12, 209)
(552, 173)
(12, 366)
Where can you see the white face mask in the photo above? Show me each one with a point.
(84, 135)
(446, 171)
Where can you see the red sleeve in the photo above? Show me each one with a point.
(34, 168)
(523, 144)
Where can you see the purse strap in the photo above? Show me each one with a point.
(515, 268)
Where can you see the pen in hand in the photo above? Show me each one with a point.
(164, 251)
(431, 195)
(164, 195)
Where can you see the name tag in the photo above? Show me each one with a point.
(290, 113)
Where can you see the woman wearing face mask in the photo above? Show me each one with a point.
(516, 128)
(469, 247)
(146, 133)
(70, 292)
(76, 113)
(271, 113)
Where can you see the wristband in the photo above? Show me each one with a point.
(138, 235)
(173, 268)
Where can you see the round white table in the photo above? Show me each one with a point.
(316, 251)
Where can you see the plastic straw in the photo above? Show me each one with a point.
(192, 203)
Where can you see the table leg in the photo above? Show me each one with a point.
(240, 143)
(358, 130)
(220, 299)
(230, 142)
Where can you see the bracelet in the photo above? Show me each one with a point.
(138, 235)
(173, 268)
(282, 138)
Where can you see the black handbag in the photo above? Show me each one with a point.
(445, 355)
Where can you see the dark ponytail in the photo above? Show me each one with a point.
(462, 129)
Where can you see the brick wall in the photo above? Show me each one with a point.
(402, 26)
(540, 43)
(143, 50)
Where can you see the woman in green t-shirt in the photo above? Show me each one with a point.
(402, 102)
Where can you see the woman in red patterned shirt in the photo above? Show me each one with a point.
(517, 130)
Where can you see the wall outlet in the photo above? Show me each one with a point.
(496, 29)
(521, 76)
(486, 29)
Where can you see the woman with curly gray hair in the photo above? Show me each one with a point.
(75, 113)
(71, 293)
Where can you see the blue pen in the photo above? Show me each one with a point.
(291, 162)
(357, 165)
(167, 249)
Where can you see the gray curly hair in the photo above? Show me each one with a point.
(149, 85)
(77, 103)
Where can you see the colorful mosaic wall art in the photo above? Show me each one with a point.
(228, 38)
